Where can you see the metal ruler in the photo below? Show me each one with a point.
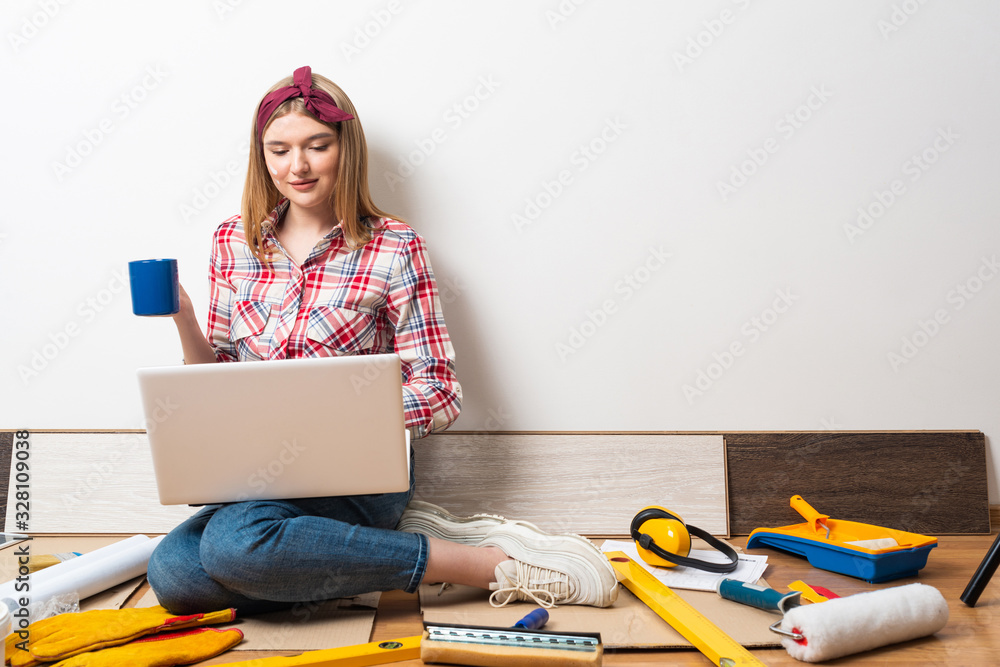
(513, 637)
(706, 636)
(408, 648)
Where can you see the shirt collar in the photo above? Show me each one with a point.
(271, 223)
(274, 218)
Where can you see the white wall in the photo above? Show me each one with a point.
(837, 102)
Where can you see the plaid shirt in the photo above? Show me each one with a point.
(378, 299)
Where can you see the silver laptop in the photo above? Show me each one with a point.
(292, 428)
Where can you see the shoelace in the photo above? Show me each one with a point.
(527, 576)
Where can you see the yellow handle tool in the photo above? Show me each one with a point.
(360, 655)
(807, 591)
(811, 515)
(706, 636)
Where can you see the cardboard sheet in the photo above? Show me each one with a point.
(310, 626)
(113, 598)
(629, 623)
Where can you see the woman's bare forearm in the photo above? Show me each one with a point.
(193, 342)
(195, 346)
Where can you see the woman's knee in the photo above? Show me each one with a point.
(158, 573)
(173, 575)
(237, 546)
(174, 571)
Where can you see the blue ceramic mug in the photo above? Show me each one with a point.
(155, 289)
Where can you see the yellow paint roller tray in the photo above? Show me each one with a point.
(860, 550)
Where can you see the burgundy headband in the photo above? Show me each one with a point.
(318, 102)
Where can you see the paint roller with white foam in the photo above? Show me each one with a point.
(864, 621)
(847, 625)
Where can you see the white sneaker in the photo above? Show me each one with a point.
(549, 569)
(429, 519)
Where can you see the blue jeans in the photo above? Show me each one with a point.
(265, 555)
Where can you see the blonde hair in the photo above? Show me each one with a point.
(351, 199)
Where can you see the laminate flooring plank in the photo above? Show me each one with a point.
(592, 484)
(100, 482)
(930, 482)
(6, 451)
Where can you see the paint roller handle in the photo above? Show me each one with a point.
(753, 595)
(982, 575)
(809, 514)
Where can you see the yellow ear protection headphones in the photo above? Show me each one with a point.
(664, 540)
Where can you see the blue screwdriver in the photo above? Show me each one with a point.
(536, 620)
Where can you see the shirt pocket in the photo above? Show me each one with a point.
(246, 323)
(344, 330)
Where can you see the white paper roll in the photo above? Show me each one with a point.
(864, 621)
(96, 576)
(99, 576)
(7, 589)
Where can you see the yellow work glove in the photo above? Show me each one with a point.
(65, 635)
(162, 650)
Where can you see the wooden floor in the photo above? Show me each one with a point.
(972, 636)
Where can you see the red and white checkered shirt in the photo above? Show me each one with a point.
(381, 298)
